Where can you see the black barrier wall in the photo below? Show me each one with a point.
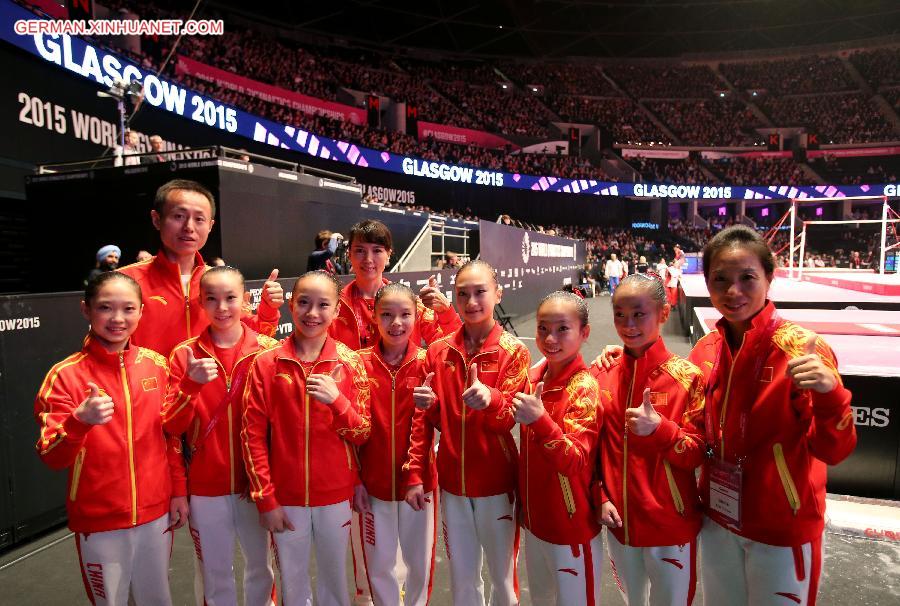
(528, 261)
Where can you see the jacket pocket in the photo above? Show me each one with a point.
(568, 497)
(787, 482)
(505, 449)
(673, 488)
(349, 456)
(76, 473)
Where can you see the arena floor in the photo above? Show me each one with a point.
(858, 571)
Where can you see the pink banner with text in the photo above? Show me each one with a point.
(461, 136)
(270, 93)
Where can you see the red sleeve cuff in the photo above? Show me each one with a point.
(190, 386)
(544, 428)
(179, 487)
(266, 504)
(267, 313)
(496, 398)
(75, 428)
(660, 439)
(832, 401)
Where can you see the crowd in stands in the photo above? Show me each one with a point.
(623, 117)
(795, 76)
(502, 110)
(669, 171)
(649, 81)
(469, 93)
(837, 118)
(760, 171)
(835, 171)
(709, 122)
(880, 67)
(562, 78)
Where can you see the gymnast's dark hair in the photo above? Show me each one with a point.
(475, 263)
(321, 273)
(94, 286)
(738, 236)
(581, 308)
(395, 288)
(221, 269)
(649, 281)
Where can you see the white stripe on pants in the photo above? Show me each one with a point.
(477, 528)
(327, 528)
(666, 575)
(563, 574)
(215, 523)
(741, 572)
(394, 528)
(363, 595)
(115, 561)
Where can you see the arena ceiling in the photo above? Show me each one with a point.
(592, 28)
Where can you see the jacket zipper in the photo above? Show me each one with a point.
(725, 399)
(787, 482)
(625, 459)
(228, 378)
(129, 438)
(527, 440)
(306, 447)
(76, 473)
(462, 453)
(393, 434)
(673, 487)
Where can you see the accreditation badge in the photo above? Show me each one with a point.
(725, 484)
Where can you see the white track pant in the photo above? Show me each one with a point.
(476, 528)
(215, 523)
(328, 529)
(740, 572)
(666, 575)
(563, 574)
(136, 558)
(394, 529)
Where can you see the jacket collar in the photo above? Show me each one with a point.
(97, 352)
(758, 323)
(537, 371)
(162, 264)
(411, 351)
(350, 292)
(458, 339)
(247, 343)
(653, 357)
(329, 350)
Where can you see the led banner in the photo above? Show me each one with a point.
(462, 136)
(269, 93)
(104, 67)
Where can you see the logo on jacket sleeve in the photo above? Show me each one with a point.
(159, 298)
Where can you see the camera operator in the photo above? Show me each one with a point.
(329, 245)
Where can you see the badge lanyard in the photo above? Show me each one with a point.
(760, 353)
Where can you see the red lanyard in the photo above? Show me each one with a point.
(760, 353)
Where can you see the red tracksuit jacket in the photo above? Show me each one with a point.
(355, 324)
(171, 316)
(477, 454)
(556, 461)
(125, 472)
(650, 479)
(791, 433)
(297, 450)
(395, 419)
(216, 466)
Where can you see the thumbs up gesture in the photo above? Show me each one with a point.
(477, 396)
(323, 387)
(808, 371)
(432, 297)
(423, 396)
(273, 294)
(95, 409)
(528, 408)
(643, 420)
(201, 370)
